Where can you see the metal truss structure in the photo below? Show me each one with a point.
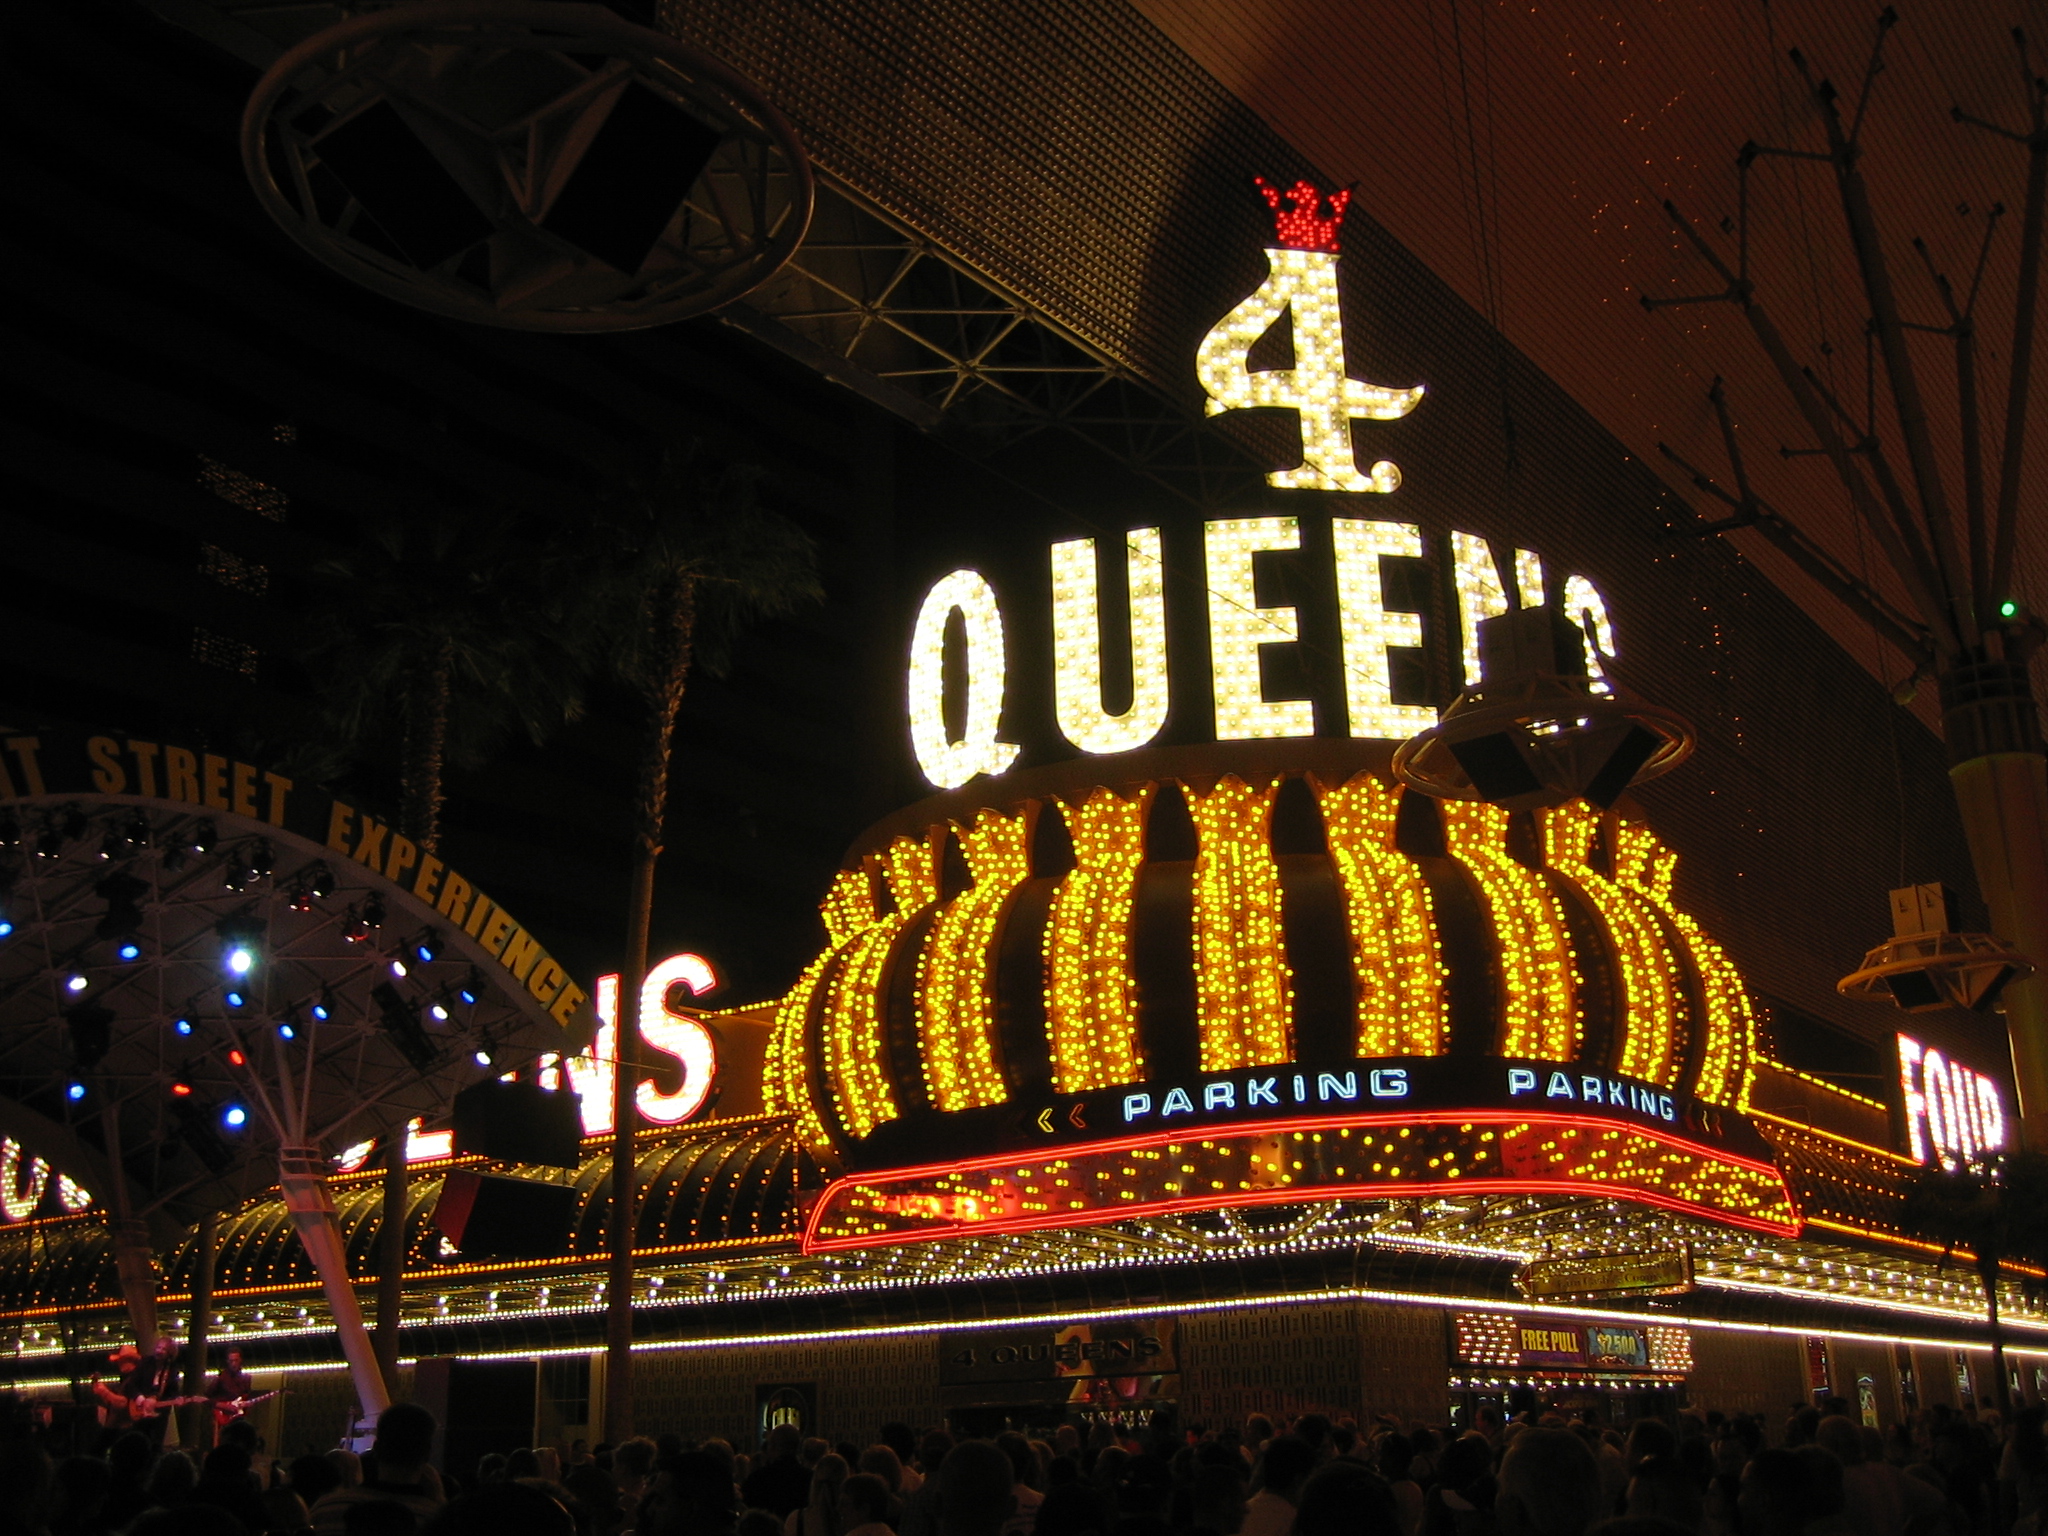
(918, 331)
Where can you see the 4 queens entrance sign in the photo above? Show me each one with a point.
(1379, 1128)
(53, 764)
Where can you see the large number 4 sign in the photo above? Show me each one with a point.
(1302, 283)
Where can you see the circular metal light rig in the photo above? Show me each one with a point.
(163, 1011)
(543, 167)
(1926, 965)
(1536, 730)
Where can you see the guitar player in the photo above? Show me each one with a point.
(147, 1386)
(230, 1392)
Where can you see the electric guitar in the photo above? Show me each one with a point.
(136, 1410)
(228, 1409)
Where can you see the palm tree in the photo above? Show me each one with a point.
(1997, 1209)
(699, 556)
(439, 638)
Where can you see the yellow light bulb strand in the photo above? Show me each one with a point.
(1540, 1016)
(1644, 865)
(1653, 1000)
(955, 1006)
(860, 1087)
(1396, 956)
(1244, 987)
(1091, 1007)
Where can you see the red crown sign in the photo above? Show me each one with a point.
(1300, 225)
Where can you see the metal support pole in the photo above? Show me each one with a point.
(2000, 774)
(391, 1256)
(204, 1240)
(303, 1182)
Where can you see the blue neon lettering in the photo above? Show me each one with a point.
(1177, 1103)
(1560, 1087)
(1592, 1090)
(1300, 1089)
(1256, 1092)
(1520, 1080)
(1666, 1108)
(1220, 1096)
(1345, 1087)
(1617, 1092)
(1136, 1104)
(1389, 1083)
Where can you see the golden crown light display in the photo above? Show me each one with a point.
(1069, 1001)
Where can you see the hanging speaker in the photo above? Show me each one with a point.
(519, 1123)
(490, 1216)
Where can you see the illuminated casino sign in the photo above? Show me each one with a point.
(1952, 1114)
(59, 763)
(30, 1187)
(960, 632)
(1174, 940)
(1301, 286)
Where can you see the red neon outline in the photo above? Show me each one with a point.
(812, 1243)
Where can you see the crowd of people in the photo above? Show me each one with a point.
(1821, 1472)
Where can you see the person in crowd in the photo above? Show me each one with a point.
(780, 1482)
(819, 1515)
(403, 1475)
(973, 1496)
(1549, 1485)
(504, 1509)
(1664, 1489)
(864, 1503)
(1343, 1497)
(226, 1482)
(632, 1469)
(79, 1486)
(131, 1460)
(1024, 1485)
(1283, 1467)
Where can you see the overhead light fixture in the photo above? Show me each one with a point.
(286, 1032)
(427, 947)
(76, 982)
(130, 951)
(323, 1008)
(1926, 965)
(234, 1117)
(1533, 731)
(235, 997)
(182, 1024)
(135, 830)
(202, 836)
(75, 1092)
